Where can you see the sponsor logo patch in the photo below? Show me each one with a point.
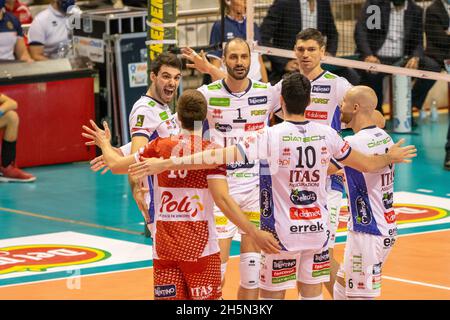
(305, 213)
(140, 120)
(166, 291)
(316, 115)
(303, 197)
(254, 126)
(257, 100)
(321, 89)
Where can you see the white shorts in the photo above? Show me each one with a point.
(282, 271)
(363, 259)
(249, 203)
(334, 200)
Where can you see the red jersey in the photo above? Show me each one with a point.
(184, 228)
(22, 12)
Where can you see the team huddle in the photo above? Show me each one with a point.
(216, 167)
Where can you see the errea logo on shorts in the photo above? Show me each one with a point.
(166, 291)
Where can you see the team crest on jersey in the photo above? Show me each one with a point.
(140, 120)
(9, 25)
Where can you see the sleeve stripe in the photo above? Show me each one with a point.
(140, 134)
(345, 157)
(336, 163)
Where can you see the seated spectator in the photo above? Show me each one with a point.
(437, 30)
(48, 35)
(12, 45)
(19, 10)
(236, 26)
(398, 42)
(9, 120)
(285, 19)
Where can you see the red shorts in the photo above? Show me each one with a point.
(187, 280)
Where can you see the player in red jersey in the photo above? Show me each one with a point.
(185, 245)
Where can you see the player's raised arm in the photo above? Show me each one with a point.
(201, 64)
(372, 163)
(201, 160)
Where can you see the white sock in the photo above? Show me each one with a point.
(339, 291)
(223, 269)
(319, 297)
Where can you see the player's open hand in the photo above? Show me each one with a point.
(139, 193)
(147, 167)
(96, 135)
(399, 154)
(267, 242)
(98, 164)
(198, 61)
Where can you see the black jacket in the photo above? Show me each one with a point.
(284, 20)
(436, 26)
(369, 41)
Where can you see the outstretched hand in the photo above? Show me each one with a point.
(98, 164)
(399, 154)
(96, 135)
(147, 167)
(198, 61)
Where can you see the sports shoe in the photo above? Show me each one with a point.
(14, 174)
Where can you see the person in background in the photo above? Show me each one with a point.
(285, 19)
(236, 26)
(49, 31)
(19, 10)
(12, 44)
(399, 42)
(437, 30)
(9, 120)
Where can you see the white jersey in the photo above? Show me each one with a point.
(151, 119)
(371, 194)
(327, 92)
(293, 194)
(49, 29)
(231, 117)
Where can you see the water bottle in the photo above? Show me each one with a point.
(434, 111)
(423, 114)
(62, 50)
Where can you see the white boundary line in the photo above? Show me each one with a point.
(416, 283)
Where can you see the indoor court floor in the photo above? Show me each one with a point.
(74, 234)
